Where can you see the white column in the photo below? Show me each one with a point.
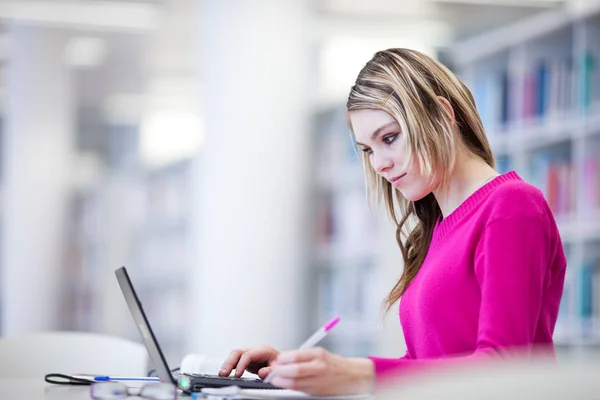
(249, 265)
(37, 153)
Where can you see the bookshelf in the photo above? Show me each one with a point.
(134, 215)
(81, 295)
(346, 267)
(161, 252)
(537, 87)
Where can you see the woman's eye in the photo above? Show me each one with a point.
(390, 139)
(366, 150)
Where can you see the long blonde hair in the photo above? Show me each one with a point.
(406, 84)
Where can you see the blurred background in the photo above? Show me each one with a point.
(203, 145)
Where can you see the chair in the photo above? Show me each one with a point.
(37, 354)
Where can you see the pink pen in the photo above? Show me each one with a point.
(314, 339)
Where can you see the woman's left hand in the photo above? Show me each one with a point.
(320, 373)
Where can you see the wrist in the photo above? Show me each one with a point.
(363, 374)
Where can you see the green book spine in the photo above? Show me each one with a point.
(585, 89)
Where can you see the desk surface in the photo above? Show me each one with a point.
(37, 389)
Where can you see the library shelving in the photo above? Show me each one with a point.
(137, 216)
(536, 85)
(161, 257)
(83, 261)
(346, 267)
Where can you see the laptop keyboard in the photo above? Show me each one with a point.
(224, 378)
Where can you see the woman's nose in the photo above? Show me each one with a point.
(381, 164)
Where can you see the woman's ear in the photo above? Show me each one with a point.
(448, 107)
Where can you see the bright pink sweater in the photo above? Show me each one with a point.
(491, 283)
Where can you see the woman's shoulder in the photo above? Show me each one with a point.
(517, 197)
(517, 189)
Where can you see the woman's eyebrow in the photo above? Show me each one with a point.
(379, 130)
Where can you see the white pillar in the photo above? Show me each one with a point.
(37, 155)
(249, 267)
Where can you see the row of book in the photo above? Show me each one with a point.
(150, 213)
(545, 89)
(344, 216)
(579, 311)
(345, 263)
(553, 173)
(589, 290)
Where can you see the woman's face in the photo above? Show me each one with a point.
(380, 136)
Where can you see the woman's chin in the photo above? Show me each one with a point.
(413, 195)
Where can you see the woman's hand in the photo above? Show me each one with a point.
(256, 360)
(319, 373)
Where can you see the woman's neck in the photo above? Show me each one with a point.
(470, 173)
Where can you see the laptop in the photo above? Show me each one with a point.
(187, 382)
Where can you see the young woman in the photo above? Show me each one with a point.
(484, 265)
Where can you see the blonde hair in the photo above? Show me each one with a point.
(406, 84)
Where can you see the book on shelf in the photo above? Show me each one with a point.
(579, 312)
(553, 174)
(344, 223)
(324, 221)
(544, 89)
(591, 183)
(564, 310)
(588, 70)
(489, 101)
(588, 307)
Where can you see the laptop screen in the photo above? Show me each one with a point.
(141, 322)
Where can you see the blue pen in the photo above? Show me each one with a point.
(125, 378)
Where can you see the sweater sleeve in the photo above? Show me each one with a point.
(384, 365)
(510, 264)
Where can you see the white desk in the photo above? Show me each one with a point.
(37, 389)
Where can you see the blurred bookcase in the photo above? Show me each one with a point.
(81, 292)
(161, 252)
(537, 88)
(346, 268)
(133, 215)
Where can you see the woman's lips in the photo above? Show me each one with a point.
(396, 179)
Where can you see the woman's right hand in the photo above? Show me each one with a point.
(256, 360)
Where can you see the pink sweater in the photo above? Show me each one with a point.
(490, 285)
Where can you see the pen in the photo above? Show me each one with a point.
(125, 378)
(314, 339)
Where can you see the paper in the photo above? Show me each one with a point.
(235, 392)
